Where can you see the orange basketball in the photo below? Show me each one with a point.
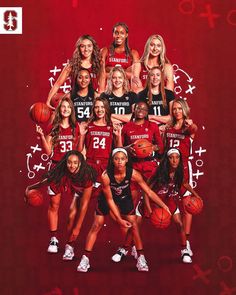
(143, 148)
(39, 112)
(194, 205)
(56, 99)
(34, 198)
(160, 218)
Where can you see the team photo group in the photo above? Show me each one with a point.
(123, 137)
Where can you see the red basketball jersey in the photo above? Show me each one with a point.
(98, 142)
(149, 130)
(118, 59)
(143, 74)
(69, 186)
(65, 142)
(78, 188)
(170, 195)
(180, 139)
(166, 191)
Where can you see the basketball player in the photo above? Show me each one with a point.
(121, 100)
(62, 136)
(119, 53)
(82, 96)
(154, 55)
(167, 183)
(97, 136)
(179, 134)
(117, 197)
(158, 98)
(85, 56)
(141, 128)
(72, 175)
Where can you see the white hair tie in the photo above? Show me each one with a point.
(173, 151)
(119, 150)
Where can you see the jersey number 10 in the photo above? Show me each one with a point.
(119, 110)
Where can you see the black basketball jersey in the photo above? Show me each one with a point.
(83, 106)
(157, 107)
(121, 105)
(121, 190)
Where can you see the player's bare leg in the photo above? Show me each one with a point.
(185, 254)
(90, 241)
(53, 222)
(141, 261)
(72, 214)
(92, 235)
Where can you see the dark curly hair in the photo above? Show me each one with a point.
(85, 173)
(162, 176)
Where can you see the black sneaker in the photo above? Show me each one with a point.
(121, 252)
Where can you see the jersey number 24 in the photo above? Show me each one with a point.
(99, 143)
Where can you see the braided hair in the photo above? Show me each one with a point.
(85, 172)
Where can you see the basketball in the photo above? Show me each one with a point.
(194, 205)
(160, 218)
(34, 198)
(56, 99)
(143, 148)
(39, 112)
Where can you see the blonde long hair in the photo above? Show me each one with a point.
(162, 59)
(109, 87)
(185, 108)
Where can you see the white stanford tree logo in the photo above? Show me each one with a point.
(10, 18)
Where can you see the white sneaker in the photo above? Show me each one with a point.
(134, 252)
(142, 263)
(185, 255)
(121, 252)
(53, 245)
(84, 264)
(69, 252)
(189, 248)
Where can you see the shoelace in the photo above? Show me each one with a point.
(121, 251)
(134, 252)
(68, 253)
(143, 261)
(69, 248)
(84, 263)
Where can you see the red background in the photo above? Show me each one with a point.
(203, 48)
